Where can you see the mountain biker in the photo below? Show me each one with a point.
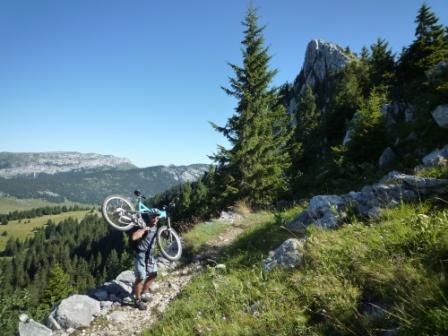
(141, 242)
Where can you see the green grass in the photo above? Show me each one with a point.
(8, 204)
(440, 172)
(202, 232)
(24, 229)
(361, 279)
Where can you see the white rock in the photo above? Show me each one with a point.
(118, 316)
(440, 115)
(33, 328)
(289, 254)
(154, 287)
(77, 311)
(436, 157)
(127, 277)
(23, 318)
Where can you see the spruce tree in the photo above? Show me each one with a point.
(254, 167)
(382, 65)
(368, 131)
(429, 47)
(58, 286)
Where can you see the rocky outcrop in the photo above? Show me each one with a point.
(289, 255)
(329, 211)
(321, 60)
(440, 115)
(437, 157)
(77, 311)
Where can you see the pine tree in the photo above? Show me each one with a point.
(368, 131)
(254, 167)
(113, 265)
(58, 286)
(429, 47)
(382, 65)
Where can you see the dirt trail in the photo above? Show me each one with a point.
(125, 320)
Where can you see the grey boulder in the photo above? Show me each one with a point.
(418, 183)
(289, 255)
(77, 311)
(437, 157)
(127, 277)
(387, 157)
(440, 115)
(29, 327)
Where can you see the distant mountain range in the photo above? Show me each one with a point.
(20, 164)
(86, 178)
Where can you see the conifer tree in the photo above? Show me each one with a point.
(368, 131)
(58, 286)
(429, 47)
(382, 65)
(254, 167)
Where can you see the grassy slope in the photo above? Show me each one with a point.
(361, 279)
(8, 204)
(24, 229)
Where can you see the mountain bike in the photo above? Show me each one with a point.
(119, 212)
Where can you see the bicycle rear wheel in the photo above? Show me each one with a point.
(117, 211)
(169, 243)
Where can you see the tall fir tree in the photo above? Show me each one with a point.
(58, 286)
(254, 167)
(429, 47)
(382, 65)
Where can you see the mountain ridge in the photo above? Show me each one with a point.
(68, 177)
(14, 164)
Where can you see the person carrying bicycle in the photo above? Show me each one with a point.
(141, 241)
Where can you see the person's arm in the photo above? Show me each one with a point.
(138, 234)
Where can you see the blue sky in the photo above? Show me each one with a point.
(141, 78)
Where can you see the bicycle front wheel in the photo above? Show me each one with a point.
(169, 243)
(117, 211)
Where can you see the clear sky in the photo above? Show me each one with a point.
(141, 78)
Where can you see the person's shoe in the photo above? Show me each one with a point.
(146, 297)
(139, 304)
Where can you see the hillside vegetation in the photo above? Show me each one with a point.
(383, 276)
(8, 204)
(331, 134)
(21, 229)
(363, 279)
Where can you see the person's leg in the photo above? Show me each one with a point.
(140, 276)
(148, 281)
(138, 288)
(151, 273)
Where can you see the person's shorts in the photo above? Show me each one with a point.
(145, 265)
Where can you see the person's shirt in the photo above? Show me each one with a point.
(145, 242)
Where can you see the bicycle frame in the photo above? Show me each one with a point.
(143, 208)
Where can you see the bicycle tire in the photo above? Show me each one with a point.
(108, 212)
(169, 243)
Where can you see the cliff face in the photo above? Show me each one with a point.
(321, 60)
(19, 164)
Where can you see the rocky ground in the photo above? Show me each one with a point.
(124, 319)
